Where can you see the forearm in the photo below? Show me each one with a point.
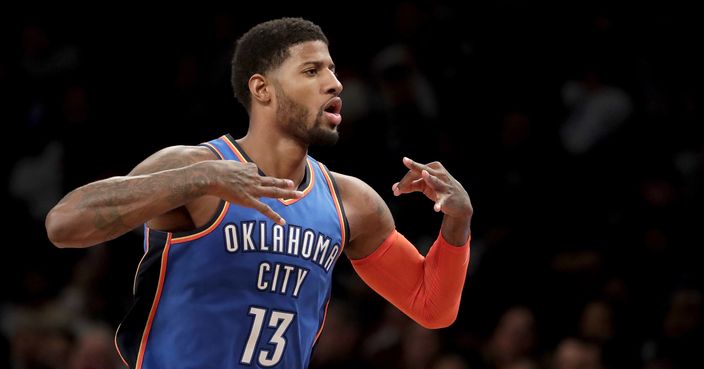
(106, 209)
(456, 231)
(427, 289)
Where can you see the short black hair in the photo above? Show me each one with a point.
(264, 47)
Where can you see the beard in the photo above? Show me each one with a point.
(294, 118)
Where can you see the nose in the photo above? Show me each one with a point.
(335, 86)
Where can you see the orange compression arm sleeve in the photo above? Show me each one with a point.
(427, 289)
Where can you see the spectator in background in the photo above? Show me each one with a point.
(450, 361)
(596, 110)
(597, 322)
(681, 334)
(420, 347)
(338, 346)
(514, 338)
(573, 353)
(95, 349)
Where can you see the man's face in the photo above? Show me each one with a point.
(307, 89)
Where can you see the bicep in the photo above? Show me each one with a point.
(182, 218)
(368, 215)
(171, 158)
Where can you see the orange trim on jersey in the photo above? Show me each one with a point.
(320, 330)
(155, 303)
(118, 347)
(206, 231)
(134, 290)
(338, 207)
(243, 159)
(343, 236)
(214, 149)
(234, 149)
(305, 190)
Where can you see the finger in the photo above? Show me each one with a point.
(412, 165)
(439, 203)
(436, 165)
(402, 185)
(267, 211)
(279, 193)
(436, 185)
(276, 182)
(418, 167)
(417, 185)
(432, 181)
(413, 174)
(435, 168)
(394, 189)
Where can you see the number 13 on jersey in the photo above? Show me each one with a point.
(278, 320)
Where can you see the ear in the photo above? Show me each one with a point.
(260, 88)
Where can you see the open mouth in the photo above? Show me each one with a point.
(332, 110)
(334, 106)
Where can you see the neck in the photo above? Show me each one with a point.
(276, 155)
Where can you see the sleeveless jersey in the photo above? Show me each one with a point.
(241, 291)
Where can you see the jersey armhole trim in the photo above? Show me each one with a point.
(213, 149)
(337, 199)
(202, 231)
(205, 229)
(155, 303)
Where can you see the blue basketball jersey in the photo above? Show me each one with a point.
(241, 291)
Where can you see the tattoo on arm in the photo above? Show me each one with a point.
(110, 201)
(105, 200)
(182, 192)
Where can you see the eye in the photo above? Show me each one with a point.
(311, 72)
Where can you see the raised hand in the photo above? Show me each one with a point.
(240, 183)
(436, 183)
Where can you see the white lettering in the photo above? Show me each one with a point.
(321, 248)
(288, 269)
(290, 240)
(262, 237)
(331, 257)
(231, 238)
(307, 247)
(275, 278)
(294, 236)
(263, 268)
(247, 229)
(270, 275)
(302, 273)
(278, 236)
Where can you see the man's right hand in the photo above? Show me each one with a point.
(240, 183)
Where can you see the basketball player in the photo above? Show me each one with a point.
(242, 235)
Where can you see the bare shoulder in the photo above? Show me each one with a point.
(357, 195)
(350, 185)
(368, 215)
(173, 157)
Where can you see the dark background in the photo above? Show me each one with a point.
(577, 132)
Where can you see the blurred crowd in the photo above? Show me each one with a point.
(578, 134)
